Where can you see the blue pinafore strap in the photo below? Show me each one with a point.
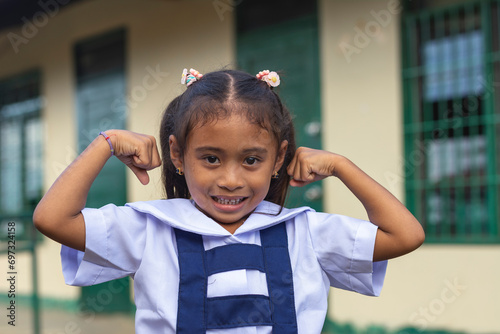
(197, 313)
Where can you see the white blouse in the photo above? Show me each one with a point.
(138, 240)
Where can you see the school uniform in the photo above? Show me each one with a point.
(193, 276)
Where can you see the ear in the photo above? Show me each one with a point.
(175, 152)
(281, 155)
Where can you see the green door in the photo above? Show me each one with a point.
(290, 47)
(100, 88)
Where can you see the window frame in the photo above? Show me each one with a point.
(25, 86)
(415, 145)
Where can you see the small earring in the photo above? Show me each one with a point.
(179, 171)
(275, 175)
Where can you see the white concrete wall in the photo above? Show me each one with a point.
(437, 286)
(162, 37)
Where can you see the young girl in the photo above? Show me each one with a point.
(222, 254)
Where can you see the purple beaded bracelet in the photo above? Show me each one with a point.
(109, 142)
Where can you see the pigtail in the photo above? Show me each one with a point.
(175, 185)
(285, 130)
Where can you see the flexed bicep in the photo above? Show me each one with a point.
(58, 215)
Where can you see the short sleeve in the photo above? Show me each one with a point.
(114, 243)
(344, 247)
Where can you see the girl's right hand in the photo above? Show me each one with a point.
(138, 151)
(58, 215)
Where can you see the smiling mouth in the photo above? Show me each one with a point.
(228, 201)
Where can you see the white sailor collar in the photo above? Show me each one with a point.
(182, 214)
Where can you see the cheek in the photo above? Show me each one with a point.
(198, 180)
(194, 180)
(261, 183)
(192, 172)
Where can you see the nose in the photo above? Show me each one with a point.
(230, 178)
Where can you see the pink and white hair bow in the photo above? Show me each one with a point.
(271, 78)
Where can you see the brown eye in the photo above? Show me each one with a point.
(251, 160)
(212, 159)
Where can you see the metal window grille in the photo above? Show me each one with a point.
(20, 170)
(451, 82)
(20, 151)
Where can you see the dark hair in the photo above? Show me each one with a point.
(217, 95)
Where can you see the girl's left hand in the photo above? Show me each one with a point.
(310, 165)
(399, 232)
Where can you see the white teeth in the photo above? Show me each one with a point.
(228, 201)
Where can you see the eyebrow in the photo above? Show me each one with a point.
(258, 150)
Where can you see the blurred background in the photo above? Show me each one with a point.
(408, 90)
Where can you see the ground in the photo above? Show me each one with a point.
(66, 322)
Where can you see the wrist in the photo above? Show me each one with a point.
(109, 138)
(340, 165)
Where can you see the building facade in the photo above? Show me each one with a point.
(408, 91)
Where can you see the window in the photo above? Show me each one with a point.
(100, 96)
(20, 151)
(291, 47)
(451, 78)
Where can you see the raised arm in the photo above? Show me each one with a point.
(58, 215)
(399, 231)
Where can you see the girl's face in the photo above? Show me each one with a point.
(228, 166)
